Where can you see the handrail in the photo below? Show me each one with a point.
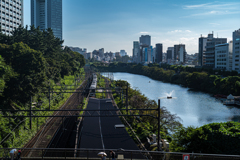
(123, 150)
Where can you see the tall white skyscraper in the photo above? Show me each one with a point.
(11, 15)
(47, 14)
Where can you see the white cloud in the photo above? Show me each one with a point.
(180, 31)
(213, 13)
(215, 8)
(176, 31)
(196, 6)
(214, 23)
(185, 39)
(144, 32)
(215, 5)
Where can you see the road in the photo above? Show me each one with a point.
(100, 132)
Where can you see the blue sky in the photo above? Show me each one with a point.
(115, 24)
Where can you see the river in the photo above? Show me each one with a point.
(193, 107)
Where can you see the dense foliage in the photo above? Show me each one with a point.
(145, 126)
(32, 62)
(5, 74)
(36, 57)
(185, 76)
(214, 138)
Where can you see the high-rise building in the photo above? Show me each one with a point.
(159, 52)
(209, 54)
(47, 14)
(101, 52)
(180, 52)
(123, 53)
(223, 56)
(154, 54)
(170, 53)
(147, 54)
(236, 51)
(11, 15)
(202, 41)
(136, 52)
(145, 40)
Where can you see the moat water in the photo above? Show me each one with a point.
(193, 107)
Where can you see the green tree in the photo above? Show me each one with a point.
(30, 68)
(5, 73)
(214, 138)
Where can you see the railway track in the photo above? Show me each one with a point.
(54, 127)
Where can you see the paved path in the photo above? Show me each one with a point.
(100, 132)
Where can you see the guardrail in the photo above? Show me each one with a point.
(67, 153)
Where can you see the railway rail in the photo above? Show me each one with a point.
(52, 132)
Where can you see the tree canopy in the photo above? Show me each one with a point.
(35, 56)
(214, 138)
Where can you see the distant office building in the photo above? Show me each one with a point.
(88, 55)
(209, 54)
(202, 41)
(76, 49)
(236, 51)
(145, 40)
(136, 52)
(117, 54)
(101, 52)
(79, 50)
(142, 53)
(170, 53)
(223, 56)
(154, 55)
(148, 54)
(180, 53)
(159, 52)
(123, 53)
(11, 15)
(47, 14)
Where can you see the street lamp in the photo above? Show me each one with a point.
(159, 136)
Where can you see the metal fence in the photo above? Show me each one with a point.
(67, 153)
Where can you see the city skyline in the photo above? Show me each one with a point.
(115, 25)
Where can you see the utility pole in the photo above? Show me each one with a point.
(127, 98)
(159, 137)
(30, 114)
(49, 96)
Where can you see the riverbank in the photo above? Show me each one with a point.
(195, 108)
(144, 126)
(200, 81)
(199, 113)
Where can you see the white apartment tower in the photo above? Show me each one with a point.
(223, 56)
(209, 54)
(47, 14)
(236, 51)
(11, 15)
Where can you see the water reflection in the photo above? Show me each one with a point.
(193, 107)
